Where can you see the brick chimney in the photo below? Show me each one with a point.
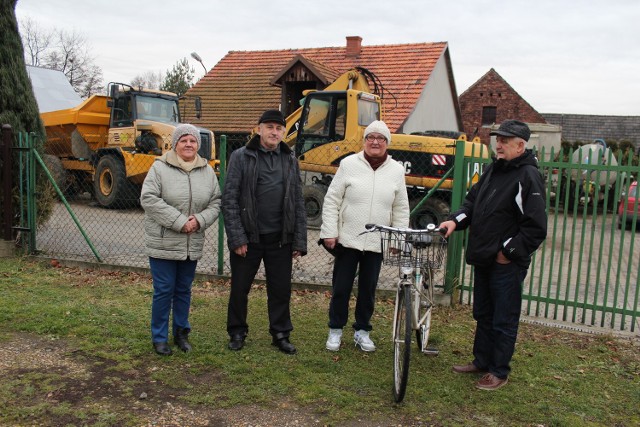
(354, 46)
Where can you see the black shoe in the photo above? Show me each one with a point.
(237, 342)
(162, 348)
(181, 338)
(285, 346)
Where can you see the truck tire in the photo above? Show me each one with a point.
(313, 200)
(112, 189)
(58, 172)
(433, 211)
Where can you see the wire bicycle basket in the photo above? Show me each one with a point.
(410, 248)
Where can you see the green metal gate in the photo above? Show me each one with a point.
(586, 272)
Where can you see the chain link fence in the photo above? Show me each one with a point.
(103, 194)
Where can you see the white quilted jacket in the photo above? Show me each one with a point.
(358, 195)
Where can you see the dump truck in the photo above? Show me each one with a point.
(330, 126)
(107, 144)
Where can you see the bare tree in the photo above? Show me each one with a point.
(36, 41)
(148, 80)
(65, 51)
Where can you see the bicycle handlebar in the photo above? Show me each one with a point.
(431, 229)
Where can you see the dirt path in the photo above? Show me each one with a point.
(88, 385)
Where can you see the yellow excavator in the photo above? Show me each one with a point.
(330, 126)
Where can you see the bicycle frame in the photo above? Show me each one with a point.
(414, 252)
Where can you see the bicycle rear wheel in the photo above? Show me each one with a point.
(425, 307)
(402, 343)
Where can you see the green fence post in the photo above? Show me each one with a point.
(223, 169)
(31, 192)
(454, 255)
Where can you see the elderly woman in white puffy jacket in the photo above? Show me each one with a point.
(369, 187)
(181, 198)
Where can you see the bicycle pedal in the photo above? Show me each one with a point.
(431, 351)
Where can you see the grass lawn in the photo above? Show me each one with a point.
(76, 351)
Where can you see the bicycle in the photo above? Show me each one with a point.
(414, 252)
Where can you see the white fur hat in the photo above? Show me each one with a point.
(380, 127)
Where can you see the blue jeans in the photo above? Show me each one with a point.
(497, 300)
(171, 289)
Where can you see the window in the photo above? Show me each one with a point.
(488, 115)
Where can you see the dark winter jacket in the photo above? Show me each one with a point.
(505, 211)
(239, 199)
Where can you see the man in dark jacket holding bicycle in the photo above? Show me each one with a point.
(265, 220)
(505, 212)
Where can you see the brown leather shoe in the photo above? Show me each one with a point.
(467, 369)
(491, 382)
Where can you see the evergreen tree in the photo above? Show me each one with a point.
(178, 80)
(18, 106)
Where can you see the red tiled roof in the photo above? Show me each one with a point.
(236, 91)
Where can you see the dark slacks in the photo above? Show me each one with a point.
(497, 300)
(277, 263)
(344, 273)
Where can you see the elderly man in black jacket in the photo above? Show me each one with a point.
(505, 212)
(265, 221)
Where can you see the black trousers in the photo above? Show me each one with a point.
(344, 272)
(277, 263)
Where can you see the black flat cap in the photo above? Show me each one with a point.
(511, 128)
(273, 116)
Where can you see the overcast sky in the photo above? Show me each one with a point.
(561, 56)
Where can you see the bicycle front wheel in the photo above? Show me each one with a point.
(402, 343)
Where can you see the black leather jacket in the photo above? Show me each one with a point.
(505, 211)
(239, 199)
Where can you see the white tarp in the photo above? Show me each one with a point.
(52, 89)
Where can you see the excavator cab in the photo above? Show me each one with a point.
(327, 117)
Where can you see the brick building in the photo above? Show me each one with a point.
(491, 100)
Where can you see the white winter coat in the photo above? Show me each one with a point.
(358, 195)
(169, 196)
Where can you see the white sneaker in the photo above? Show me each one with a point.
(333, 342)
(361, 338)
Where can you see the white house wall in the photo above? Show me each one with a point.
(435, 109)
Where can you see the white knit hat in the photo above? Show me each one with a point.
(378, 126)
(185, 129)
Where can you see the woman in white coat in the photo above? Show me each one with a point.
(369, 187)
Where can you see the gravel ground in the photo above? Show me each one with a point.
(80, 383)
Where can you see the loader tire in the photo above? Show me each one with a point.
(112, 189)
(313, 200)
(58, 172)
(433, 211)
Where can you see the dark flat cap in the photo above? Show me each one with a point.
(511, 128)
(273, 116)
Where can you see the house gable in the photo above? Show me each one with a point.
(298, 75)
(491, 100)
